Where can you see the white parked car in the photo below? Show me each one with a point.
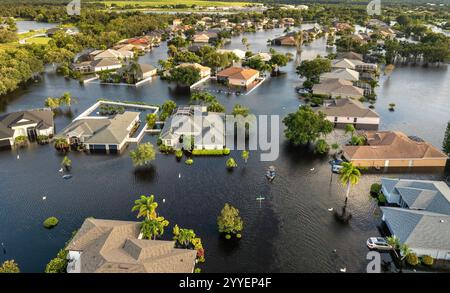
(378, 243)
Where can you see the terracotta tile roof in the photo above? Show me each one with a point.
(229, 71)
(238, 73)
(384, 145)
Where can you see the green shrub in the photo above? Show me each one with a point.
(9, 266)
(189, 161)
(226, 151)
(197, 270)
(179, 154)
(165, 149)
(20, 140)
(56, 266)
(228, 236)
(42, 139)
(375, 189)
(412, 259)
(231, 163)
(321, 147)
(50, 222)
(427, 260)
(381, 199)
(239, 236)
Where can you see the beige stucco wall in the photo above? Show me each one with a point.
(241, 82)
(360, 120)
(401, 163)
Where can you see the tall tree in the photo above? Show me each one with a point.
(146, 207)
(305, 126)
(446, 143)
(185, 76)
(349, 176)
(277, 61)
(143, 154)
(312, 69)
(229, 221)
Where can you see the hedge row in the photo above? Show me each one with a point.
(210, 152)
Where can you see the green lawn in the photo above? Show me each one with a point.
(38, 40)
(29, 39)
(157, 3)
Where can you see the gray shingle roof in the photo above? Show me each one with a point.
(101, 131)
(419, 229)
(43, 118)
(432, 196)
(389, 184)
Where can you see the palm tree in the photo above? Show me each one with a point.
(404, 249)
(245, 43)
(349, 175)
(61, 144)
(245, 155)
(349, 128)
(152, 228)
(146, 207)
(67, 99)
(133, 70)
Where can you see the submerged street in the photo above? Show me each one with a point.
(291, 231)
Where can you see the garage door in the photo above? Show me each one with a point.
(113, 149)
(97, 148)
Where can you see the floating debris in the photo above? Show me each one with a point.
(330, 209)
(343, 270)
(44, 198)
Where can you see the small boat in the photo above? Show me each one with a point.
(270, 174)
(67, 176)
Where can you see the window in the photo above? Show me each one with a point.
(335, 119)
(355, 119)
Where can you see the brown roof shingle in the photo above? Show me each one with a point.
(110, 246)
(238, 73)
(383, 145)
(346, 107)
